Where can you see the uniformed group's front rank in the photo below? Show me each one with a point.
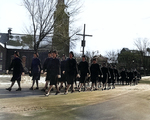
(63, 74)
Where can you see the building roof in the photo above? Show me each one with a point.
(3, 37)
(13, 47)
(126, 49)
(18, 37)
(1, 44)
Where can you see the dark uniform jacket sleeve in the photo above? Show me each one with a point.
(63, 66)
(71, 67)
(83, 67)
(99, 70)
(45, 64)
(11, 65)
(59, 69)
(16, 64)
(35, 65)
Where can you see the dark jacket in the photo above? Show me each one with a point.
(105, 71)
(130, 75)
(16, 64)
(54, 67)
(123, 74)
(35, 66)
(63, 66)
(111, 73)
(71, 67)
(116, 73)
(83, 67)
(95, 70)
(46, 63)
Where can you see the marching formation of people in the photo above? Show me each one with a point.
(65, 73)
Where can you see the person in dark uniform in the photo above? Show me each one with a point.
(138, 77)
(95, 73)
(35, 70)
(18, 70)
(127, 79)
(84, 72)
(45, 70)
(130, 76)
(71, 71)
(116, 75)
(63, 74)
(111, 79)
(105, 76)
(77, 79)
(123, 76)
(100, 78)
(54, 68)
(135, 80)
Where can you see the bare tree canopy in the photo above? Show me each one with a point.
(112, 56)
(142, 44)
(41, 13)
(42, 18)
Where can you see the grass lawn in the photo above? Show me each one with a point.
(54, 107)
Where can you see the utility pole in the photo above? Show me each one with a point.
(83, 41)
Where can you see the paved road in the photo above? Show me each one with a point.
(129, 106)
(25, 84)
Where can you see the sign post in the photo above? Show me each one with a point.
(83, 41)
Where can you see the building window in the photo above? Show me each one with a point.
(1, 56)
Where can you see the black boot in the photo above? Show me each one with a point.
(9, 89)
(19, 89)
(57, 93)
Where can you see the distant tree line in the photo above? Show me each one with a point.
(133, 59)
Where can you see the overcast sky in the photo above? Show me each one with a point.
(114, 24)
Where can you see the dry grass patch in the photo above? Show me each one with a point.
(63, 103)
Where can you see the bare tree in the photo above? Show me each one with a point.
(41, 13)
(91, 54)
(142, 45)
(43, 20)
(112, 56)
(27, 41)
